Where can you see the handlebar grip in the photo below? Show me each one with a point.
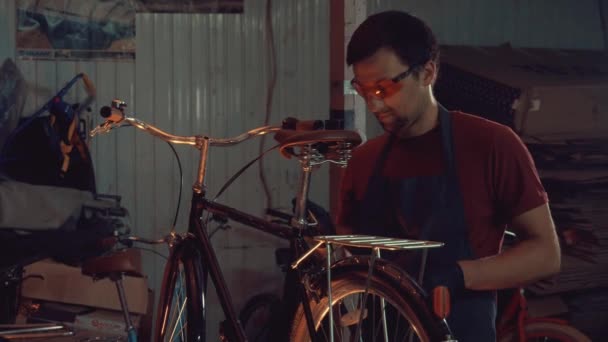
(441, 302)
(302, 125)
(105, 111)
(111, 114)
(88, 85)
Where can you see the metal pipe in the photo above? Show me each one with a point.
(176, 139)
(199, 185)
(300, 210)
(329, 296)
(382, 306)
(296, 263)
(242, 137)
(130, 329)
(361, 306)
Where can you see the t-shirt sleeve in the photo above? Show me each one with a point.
(517, 186)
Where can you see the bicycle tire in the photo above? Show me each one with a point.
(182, 297)
(547, 332)
(398, 291)
(256, 316)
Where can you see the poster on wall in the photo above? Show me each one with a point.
(190, 6)
(64, 29)
(90, 29)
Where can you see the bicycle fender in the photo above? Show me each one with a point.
(384, 268)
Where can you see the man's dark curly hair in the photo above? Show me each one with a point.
(409, 37)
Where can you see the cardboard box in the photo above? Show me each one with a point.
(541, 93)
(66, 284)
(84, 322)
(104, 322)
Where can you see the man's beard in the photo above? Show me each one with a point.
(394, 127)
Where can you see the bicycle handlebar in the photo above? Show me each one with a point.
(114, 117)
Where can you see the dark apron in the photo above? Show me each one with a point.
(441, 217)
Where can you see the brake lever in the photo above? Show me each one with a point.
(104, 128)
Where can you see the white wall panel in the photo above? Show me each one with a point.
(208, 74)
(104, 148)
(7, 29)
(144, 108)
(125, 138)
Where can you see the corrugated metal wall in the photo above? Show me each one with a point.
(201, 74)
(208, 74)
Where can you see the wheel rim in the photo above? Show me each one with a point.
(547, 332)
(257, 327)
(390, 324)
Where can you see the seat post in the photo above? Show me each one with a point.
(299, 219)
(132, 335)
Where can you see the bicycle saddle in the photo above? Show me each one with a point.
(121, 262)
(293, 138)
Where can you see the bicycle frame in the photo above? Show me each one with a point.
(200, 204)
(197, 240)
(515, 316)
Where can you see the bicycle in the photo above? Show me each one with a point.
(373, 281)
(514, 323)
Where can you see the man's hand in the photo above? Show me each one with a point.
(448, 275)
(536, 255)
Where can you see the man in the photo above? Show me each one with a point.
(443, 176)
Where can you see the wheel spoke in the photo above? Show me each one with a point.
(388, 313)
(179, 323)
(176, 326)
(373, 323)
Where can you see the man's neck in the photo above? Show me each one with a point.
(425, 123)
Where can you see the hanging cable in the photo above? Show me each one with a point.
(269, 94)
(152, 251)
(243, 169)
(181, 186)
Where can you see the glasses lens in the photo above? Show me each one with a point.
(357, 88)
(388, 87)
(380, 90)
(364, 92)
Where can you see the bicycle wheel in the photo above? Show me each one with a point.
(405, 312)
(180, 311)
(547, 332)
(256, 316)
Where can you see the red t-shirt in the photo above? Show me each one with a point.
(497, 176)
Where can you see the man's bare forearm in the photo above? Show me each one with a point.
(528, 261)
